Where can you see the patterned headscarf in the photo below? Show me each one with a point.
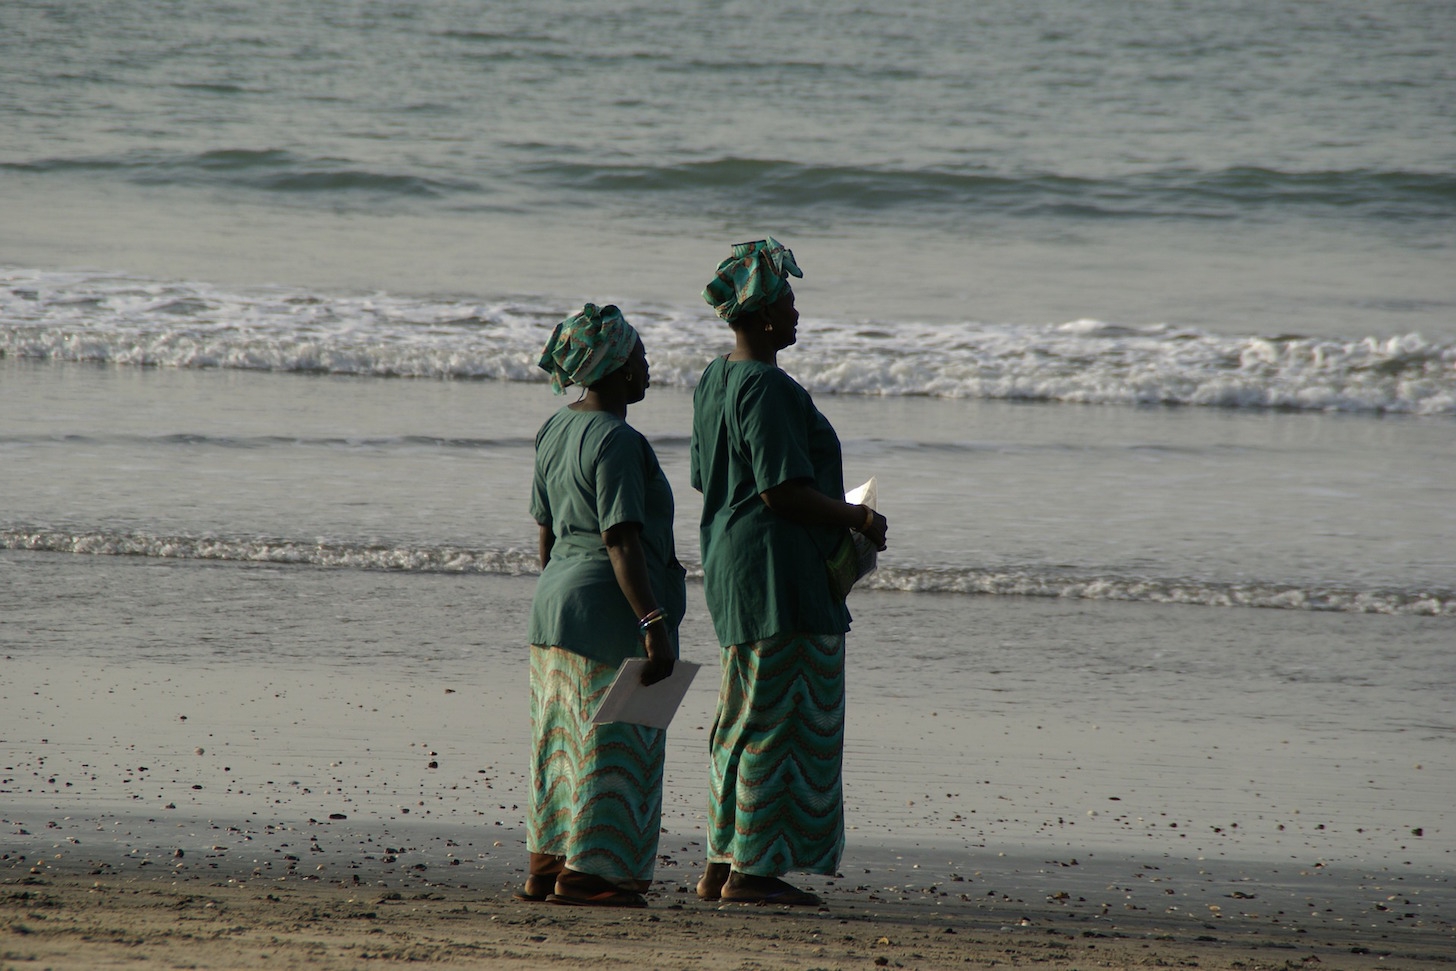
(586, 347)
(754, 277)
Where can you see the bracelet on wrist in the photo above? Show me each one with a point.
(869, 519)
(654, 616)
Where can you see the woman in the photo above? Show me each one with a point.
(610, 588)
(769, 467)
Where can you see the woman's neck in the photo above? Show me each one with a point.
(596, 401)
(753, 348)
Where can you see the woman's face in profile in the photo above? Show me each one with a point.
(784, 319)
(637, 367)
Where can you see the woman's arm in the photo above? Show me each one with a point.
(545, 540)
(629, 563)
(801, 502)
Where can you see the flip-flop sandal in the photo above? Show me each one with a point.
(525, 895)
(602, 898)
(786, 896)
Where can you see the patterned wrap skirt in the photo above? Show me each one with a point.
(596, 790)
(775, 800)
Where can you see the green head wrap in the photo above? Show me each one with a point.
(754, 277)
(586, 347)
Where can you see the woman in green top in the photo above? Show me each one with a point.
(769, 467)
(610, 588)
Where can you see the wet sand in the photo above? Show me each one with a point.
(202, 764)
(96, 921)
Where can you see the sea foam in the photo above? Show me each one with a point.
(121, 321)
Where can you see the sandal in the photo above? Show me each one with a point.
(577, 889)
(525, 894)
(602, 898)
(772, 891)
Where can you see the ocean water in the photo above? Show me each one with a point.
(1137, 303)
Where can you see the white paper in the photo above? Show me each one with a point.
(865, 495)
(869, 557)
(628, 700)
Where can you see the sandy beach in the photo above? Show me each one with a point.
(99, 921)
(221, 789)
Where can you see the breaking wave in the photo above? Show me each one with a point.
(122, 321)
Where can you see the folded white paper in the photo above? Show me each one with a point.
(869, 557)
(867, 494)
(628, 700)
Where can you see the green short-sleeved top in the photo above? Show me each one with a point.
(754, 427)
(594, 471)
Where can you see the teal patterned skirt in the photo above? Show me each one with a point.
(596, 790)
(775, 800)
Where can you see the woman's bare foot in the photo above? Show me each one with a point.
(544, 869)
(710, 884)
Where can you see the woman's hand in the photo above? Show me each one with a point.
(798, 500)
(629, 563)
(875, 529)
(659, 655)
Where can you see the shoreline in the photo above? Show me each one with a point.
(300, 692)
